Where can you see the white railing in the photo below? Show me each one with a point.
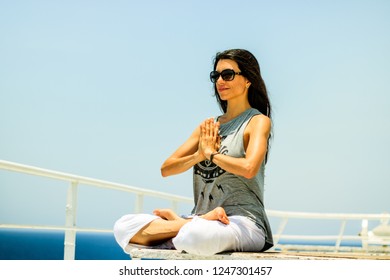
(367, 238)
(70, 227)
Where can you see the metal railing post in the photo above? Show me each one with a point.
(139, 203)
(174, 206)
(70, 233)
(281, 228)
(340, 237)
(364, 234)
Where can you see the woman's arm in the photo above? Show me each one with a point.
(255, 141)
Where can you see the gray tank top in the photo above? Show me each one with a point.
(238, 195)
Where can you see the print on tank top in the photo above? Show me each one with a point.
(209, 170)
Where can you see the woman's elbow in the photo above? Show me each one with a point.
(250, 171)
(249, 175)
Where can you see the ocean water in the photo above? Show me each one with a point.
(49, 245)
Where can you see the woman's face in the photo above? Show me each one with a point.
(236, 88)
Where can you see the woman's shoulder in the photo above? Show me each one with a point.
(260, 121)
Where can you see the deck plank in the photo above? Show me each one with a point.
(138, 253)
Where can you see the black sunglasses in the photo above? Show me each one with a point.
(227, 75)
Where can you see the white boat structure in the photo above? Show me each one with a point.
(375, 242)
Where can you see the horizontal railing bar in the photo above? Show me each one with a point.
(320, 237)
(60, 228)
(330, 216)
(88, 181)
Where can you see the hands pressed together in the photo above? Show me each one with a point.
(209, 143)
(210, 140)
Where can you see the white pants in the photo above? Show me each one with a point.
(199, 236)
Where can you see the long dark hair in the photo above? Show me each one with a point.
(257, 92)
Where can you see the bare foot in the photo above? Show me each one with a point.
(217, 214)
(166, 214)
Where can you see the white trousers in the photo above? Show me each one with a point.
(199, 236)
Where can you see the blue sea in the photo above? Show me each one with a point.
(49, 245)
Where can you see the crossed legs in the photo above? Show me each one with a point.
(160, 230)
(209, 234)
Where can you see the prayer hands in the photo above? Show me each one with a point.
(210, 140)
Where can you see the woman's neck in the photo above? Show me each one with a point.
(234, 110)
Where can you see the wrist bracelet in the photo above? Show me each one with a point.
(212, 156)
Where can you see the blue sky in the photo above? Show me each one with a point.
(109, 89)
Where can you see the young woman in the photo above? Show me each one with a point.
(228, 156)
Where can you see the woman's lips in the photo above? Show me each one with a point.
(220, 89)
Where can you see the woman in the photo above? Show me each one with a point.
(228, 156)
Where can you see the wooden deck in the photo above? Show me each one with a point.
(271, 255)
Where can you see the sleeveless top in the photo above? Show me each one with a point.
(238, 195)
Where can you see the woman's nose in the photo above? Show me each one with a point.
(220, 80)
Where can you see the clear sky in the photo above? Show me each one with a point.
(109, 89)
